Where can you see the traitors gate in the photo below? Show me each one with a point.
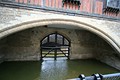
(55, 45)
(115, 76)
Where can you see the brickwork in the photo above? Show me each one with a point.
(2, 49)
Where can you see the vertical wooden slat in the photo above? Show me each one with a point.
(25, 1)
(16, 0)
(60, 3)
(53, 3)
(84, 5)
(76, 7)
(43, 3)
(98, 7)
(21, 1)
(91, 6)
(57, 5)
(31, 1)
(81, 6)
(101, 7)
(73, 6)
(65, 5)
(50, 3)
(36, 2)
(118, 15)
(47, 3)
(39, 2)
(107, 13)
(70, 4)
(110, 13)
(88, 6)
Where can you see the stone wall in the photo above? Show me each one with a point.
(109, 57)
(2, 49)
(25, 45)
(22, 46)
(15, 19)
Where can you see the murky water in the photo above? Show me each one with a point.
(52, 70)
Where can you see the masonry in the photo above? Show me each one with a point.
(25, 45)
(91, 37)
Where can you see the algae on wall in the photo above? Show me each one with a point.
(3, 43)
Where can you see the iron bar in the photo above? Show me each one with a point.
(114, 76)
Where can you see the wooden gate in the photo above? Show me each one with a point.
(55, 45)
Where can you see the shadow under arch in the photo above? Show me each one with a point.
(37, 23)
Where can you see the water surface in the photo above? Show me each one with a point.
(52, 70)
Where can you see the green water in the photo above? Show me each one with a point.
(52, 70)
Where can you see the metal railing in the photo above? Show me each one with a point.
(71, 7)
(115, 76)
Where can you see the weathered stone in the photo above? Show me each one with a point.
(102, 42)
(25, 45)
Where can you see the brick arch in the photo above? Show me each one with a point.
(37, 23)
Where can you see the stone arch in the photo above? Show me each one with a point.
(36, 23)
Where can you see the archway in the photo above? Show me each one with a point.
(108, 37)
(111, 39)
(55, 45)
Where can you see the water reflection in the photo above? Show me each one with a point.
(68, 69)
(53, 70)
